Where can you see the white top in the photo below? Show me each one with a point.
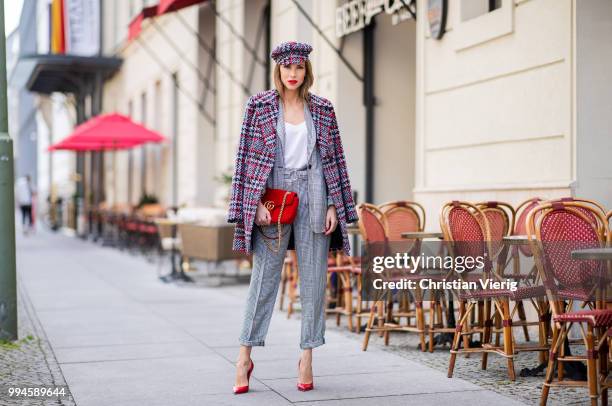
(296, 145)
(23, 192)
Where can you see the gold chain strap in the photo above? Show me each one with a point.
(280, 226)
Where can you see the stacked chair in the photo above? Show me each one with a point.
(381, 227)
(478, 230)
(468, 233)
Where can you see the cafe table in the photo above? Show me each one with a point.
(419, 235)
(593, 253)
(175, 274)
(516, 239)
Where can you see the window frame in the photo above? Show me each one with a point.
(482, 28)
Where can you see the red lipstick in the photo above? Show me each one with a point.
(293, 82)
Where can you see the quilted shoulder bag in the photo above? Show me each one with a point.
(282, 205)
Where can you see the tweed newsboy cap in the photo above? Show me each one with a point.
(290, 52)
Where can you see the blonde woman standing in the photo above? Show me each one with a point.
(289, 140)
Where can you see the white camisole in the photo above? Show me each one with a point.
(296, 144)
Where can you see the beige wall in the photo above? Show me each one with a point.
(142, 74)
(495, 105)
(394, 113)
(593, 101)
(231, 98)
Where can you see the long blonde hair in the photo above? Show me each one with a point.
(304, 88)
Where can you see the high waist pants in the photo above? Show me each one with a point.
(312, 250)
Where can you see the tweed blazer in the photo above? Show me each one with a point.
(256, 156)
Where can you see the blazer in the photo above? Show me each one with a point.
(256, 156)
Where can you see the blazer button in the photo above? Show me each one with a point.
(309, 166)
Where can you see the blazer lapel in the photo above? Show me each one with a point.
(312, 136)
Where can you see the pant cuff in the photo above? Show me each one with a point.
(252, 343)
(312, 344)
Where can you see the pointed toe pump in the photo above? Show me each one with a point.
(304, 386)
(245, 388)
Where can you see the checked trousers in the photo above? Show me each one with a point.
(311, 249)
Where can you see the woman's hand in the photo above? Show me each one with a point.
(331, 220)
(262, 216)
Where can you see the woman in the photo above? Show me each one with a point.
(289, 140)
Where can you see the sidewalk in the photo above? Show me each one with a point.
(121, 337)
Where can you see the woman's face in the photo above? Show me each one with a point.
(292, 75)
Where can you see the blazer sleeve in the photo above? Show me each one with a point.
(345, 184)
(235, 213)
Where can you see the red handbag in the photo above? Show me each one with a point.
(283, 206)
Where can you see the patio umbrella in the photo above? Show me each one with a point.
(112, 131)
(107, 132)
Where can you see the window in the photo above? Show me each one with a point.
(475, 8)
(480, 21)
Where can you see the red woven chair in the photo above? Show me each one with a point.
(556, 229)
(405, 216)
(467, 231)
(345, 268)
(532, 277)
(288, 285)
(592, 204)
(609, 221)
(501, 220)
(372, 226)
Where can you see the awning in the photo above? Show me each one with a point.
(164, 6)
(135, 25)
(48, 73)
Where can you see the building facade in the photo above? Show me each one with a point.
(507, 104)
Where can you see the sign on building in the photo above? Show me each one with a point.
(356, 14)
(82, 26)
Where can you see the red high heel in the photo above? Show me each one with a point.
(304, 386)
(245, 388)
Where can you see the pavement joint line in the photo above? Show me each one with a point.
(119, 344)
(130, 359)
(67, 347)
(392, 395)
(337, 374)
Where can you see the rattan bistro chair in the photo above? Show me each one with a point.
(532, 277)
(555, 229)
(530, 289)
(468, 234)
(609, 221)
(373, 231)
(347, 271)
(404, 216)
(500, 217)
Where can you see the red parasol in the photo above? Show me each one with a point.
(107, 132)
